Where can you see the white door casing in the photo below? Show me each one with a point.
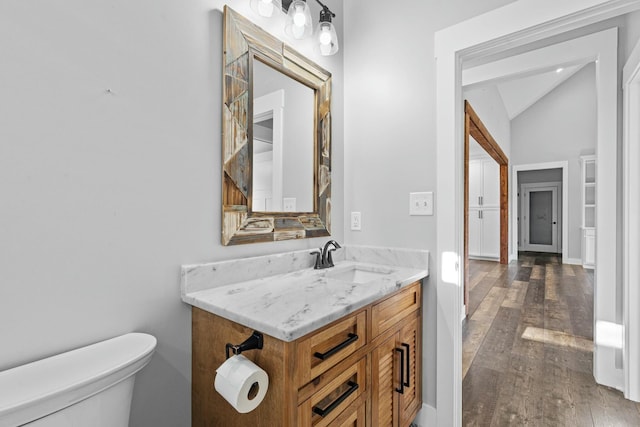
(631, 226)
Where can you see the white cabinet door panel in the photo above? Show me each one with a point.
(475, 233)
(491, 183)
(491, 233)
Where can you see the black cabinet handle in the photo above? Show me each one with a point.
(324, 412)
(408, 370)
(334, 350)
(401, 389)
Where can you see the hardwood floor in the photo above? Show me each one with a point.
(527, 348)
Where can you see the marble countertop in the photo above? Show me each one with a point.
(290, 304)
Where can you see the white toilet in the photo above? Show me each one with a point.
(89, 386)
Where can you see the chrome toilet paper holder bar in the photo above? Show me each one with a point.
(254, 342)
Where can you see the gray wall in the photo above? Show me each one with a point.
(110, 178)
(561, 126)
(390, 128)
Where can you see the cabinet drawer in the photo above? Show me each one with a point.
(390, 311)
(326, 348)
(354, 416)
(346, 392)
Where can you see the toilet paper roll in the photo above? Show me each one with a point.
(242, 383)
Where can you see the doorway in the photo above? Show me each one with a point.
(540, 217)
(513, 26)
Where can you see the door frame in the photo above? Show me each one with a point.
(564, 244)
(518, 24)
(273, 103)
(474, 127)
(631, 233)
(556, 189)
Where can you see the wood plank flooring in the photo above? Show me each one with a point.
(527, 348)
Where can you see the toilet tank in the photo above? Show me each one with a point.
(89, 386)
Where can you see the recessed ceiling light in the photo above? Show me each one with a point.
(559, 70)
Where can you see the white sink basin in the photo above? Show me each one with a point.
(359, 274)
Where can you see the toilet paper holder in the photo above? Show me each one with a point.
(254, 342)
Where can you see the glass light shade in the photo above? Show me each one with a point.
(263, 7)
(298, 24)
(326, 39)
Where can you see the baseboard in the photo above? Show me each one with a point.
(427, 416)
(484, 258)
(573, 261)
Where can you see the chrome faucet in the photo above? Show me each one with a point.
(323, 255)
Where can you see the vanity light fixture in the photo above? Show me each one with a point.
(298, 23)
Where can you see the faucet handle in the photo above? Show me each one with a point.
(318, 254)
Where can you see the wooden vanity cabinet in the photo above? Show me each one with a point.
(396, 360)
(348, 373)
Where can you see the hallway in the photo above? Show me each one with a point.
(527, 348)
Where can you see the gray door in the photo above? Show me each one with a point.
(540, 219)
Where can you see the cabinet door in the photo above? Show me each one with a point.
(490, 183)
(411, 399)
(490, 233)
(475, 182)
(385, 380)
(475, 232)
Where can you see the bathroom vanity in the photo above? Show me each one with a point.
(342, 346)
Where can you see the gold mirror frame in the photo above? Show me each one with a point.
(243, 41)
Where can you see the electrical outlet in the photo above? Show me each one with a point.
(421, 203)
(289, 204)
(356, 221)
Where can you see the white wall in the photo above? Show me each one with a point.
(561, 126)
(110, 178)
(390, 128)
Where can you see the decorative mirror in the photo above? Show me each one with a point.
(276, 149)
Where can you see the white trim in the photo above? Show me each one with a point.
(513, 25)
(631, 228)
(573, 261)
(564, 165)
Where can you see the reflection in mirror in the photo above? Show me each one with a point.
(283, 142)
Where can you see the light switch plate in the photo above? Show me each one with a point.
(289, 204)
(356, 221)
(421, 203)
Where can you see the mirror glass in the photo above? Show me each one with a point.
(283, 142)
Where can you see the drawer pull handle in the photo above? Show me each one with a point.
(324, 412)
(401, 389)
(322, 356)
(408, 361)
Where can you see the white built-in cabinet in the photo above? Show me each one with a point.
(484, 208)
(588, 211)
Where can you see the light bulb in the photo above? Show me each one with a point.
(299, 18)
(325, 36)
(298, 21)
(263, 7)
